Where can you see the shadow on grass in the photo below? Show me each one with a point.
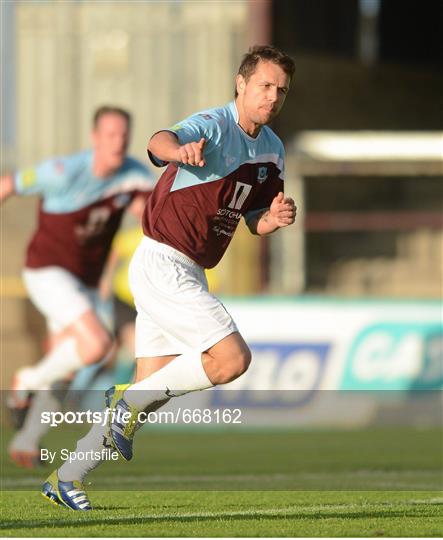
(88, 519)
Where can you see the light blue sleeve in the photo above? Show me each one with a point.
(201, 125)
(192, 129)
(43, 179)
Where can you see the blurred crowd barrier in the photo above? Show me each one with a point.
(342, 363)
(319, 362)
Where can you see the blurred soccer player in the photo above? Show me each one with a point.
(83, 198)
(223, 164)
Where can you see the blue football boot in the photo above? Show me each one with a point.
(68, 494)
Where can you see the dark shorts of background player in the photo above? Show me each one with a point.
(123, 314)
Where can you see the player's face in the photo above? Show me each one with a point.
(262, 96)
(110, 139)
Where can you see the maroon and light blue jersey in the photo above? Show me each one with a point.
(196, 210)
(79, 213)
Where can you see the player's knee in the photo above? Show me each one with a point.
(103, 346)
(235, 366)
(96, 347)
(242, 363)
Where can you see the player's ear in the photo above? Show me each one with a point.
(240, 84)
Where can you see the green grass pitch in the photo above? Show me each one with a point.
(373, 483)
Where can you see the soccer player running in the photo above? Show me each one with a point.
(222, 164)
(82, 201)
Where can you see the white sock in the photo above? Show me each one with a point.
(182, 375)
(87, 454)
(57, 365)
(33, 430)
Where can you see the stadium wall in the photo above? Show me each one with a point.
(155, 58)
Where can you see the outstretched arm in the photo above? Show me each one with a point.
(6, 187)
(164, 145)
(280, 214)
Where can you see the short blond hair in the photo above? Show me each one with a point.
(109, 109)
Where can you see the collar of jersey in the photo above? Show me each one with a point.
(90, 161)
(234, 112)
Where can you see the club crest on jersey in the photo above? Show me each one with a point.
(29, 178)
(121, 200)
(229, 160)
(262, 174)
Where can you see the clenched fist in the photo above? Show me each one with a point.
(283, 210)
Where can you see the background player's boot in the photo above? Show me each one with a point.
(28, 459)
(69, 494)
(121, 430)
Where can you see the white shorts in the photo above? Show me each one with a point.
(61, 297)
(175, 311)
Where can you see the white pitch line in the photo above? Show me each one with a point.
(290, 511)
(129, 479)
(223, 479)
(435, 500)
(302, 511)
